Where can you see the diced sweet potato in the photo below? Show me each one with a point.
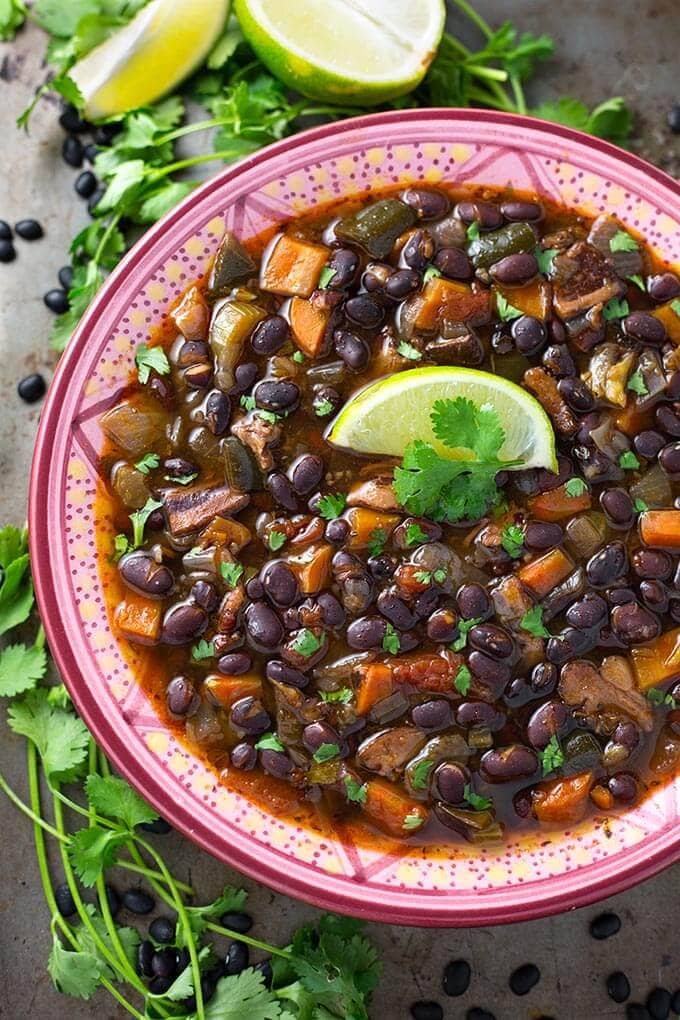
(660, 529)
(558, 504)
(542, 575)
(312, 568)
(444, 299)
(563, 800)
(533, 298)
(658, 662)
(138, 618)
(669, 314)
(633, 419)
(364, 523)
(375, 685)
(192, 316)
(392, 809)
(308, 322)
(190, 510)
(225, 691)
(224, 531)
(293, 266)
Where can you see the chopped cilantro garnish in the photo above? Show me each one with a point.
(638, 281)
(231, 572)
(616, 308)
(621, 241)
(463, 627)
(462, 680)
(121, 545)
(640, 506)
(512, 540)
(298, 358)
(148, 462)
(269, 742)
(657, 697)
(247, 402)
(356, 792)
(139, 518)
(637, 384)
(473, 231)
(544, 257)
(306, 643)
(407, 350)
(181, 479)
(331, 506)
(505, 310)
(430, 274)
(421, 774)
(532, 622)
(575, 487)
(675, 305)
(148, 359)
(376, 541)
(628, 461)
(412, 821)
(322, 408)
(203, 650)
(326, 752)
(551, 756)
(268, 416)
(325, 277)
(276, 540)
(390, 641)
(344, 696)
(415, 535)
(476, 802)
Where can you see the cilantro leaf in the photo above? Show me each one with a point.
(326, 752)
(181, 479)
(431, 273)
(621, 241)
(390, 641)
(59, 736)
(148, 358)
(512, 540)
(298, 358)
(121, 545)
(73, 973)
(616, 308)
(464, 626)
(611, 120)
(16, 587)
(343, 695)
(93, 850)
(306, 643)
(675, 305)
(127, 937)
(637, 384)
(421, 774)
(461, 423)
(407, 350)
(544, 257)
(269, 742)
(356, 792)
(551, 756)
(476, 802)
(276, 540)
(628, 461)
(12, 16)
(575, 487)
(325, 277)
(640, 506)
(505, 310)
(139, 518)
(247, 402)
(415, 535)
(638, 281)
(322, 407)
(21, 668)
(462, 680)
(331, 506)
(413, 821)
(148, 462)
(657, 697)
(376, 541)
(243, 995)
(202, 650)
(473, 231)
(532, 622)
(231, 573)
(114, 798)
(230, 899)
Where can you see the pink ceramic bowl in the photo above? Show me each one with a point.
(530, 876)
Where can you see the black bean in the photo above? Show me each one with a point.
(669, 459)
(71, 121)
(352, 349)
(235, 663)
(264, 628)
(659, 1003)
(381, 567)
(159, 827)
(160, 985)
(668, 420)
(337, 531)
(395, 609)
(237, 921)
(283, 492)
(449, 781)
(427, 204)
(675, 1003)
(318, 733)
(485, 213)
(503, 764)
(306, 473)
(607, 565)
(539, 535)
(29, 230)
(402, 283)
(282, 673)
(623, 787)
(517, 211)
(365, 633)
(618, 986)
(90, 152)
(576, 394)
(634, 624)
(249, 715)
(364, 310)
(57, 300)
(332, 612)
(654, 596)
(454, 264)
(479, 713)
(473, 602)
(618, 506)
(237, 958)
(636, 1011)
(457, 977)
(427, 1011)
(477, 1013)
(652, 563)
(644, 327)
(270, 335)
(605, 925)
(276, 763)
(141, 572)
(590, 611)
(569, 644)
(490, 671)
(162, 929)
(493, 640)
(145, 953)
(426, 604)
(277, 395)
(64, 900)
(32, 388)
(443, 625)
(137, 901)
(180, 696)
(72, 151)
(7, 251)
(280, 583)
(523, 979)
(113, 899)
(517, 268)
(5, 231)
(182, 623)
(345, 265)
(244, 757)
(418, 250)
(548, 720)
(648, 443)
(432, 715)
(560, 363)
(528, 333)
(86, 184)
(663, 287)
(244, 377)
(217, 411)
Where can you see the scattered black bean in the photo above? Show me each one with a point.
(477, 1013)
(32, 388)
(64, 900)
(137, 901)
(5, 231)
(94, 200)
(237, 958)
(270, 335)
(71, 121)
(659, 1003)
(159, 827)
(673, 118)
(29, 230)
(7, 251)
(57, 301)
(524, 978)
(605, 925)
(85, 184)
(72, 151)
(162, 930)
(618, 986)
(427, 1011)
(237, 921)
(457, 977)
(145, 953)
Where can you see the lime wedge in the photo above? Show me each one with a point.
(348, 51)
(389, 414)
(148, 57)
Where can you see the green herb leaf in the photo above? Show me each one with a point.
(412, 822)
(657, 697)
(421, 774)
(139, 518)
(544, 257)
(276, 540)
(94, 850)
(621, 241)
(640, 506)
(247, 402)
(298, 358)
(181, 479)
(376, 541)
(464, 626)
(638, 281)
(230, 899)
(628, 461)
(473, 231)
(244, 995)
(203, 650)
(121, 545)
(344, 695)
(675, 305)
(431, 273)
(322, 408)
(356, 792)
(476, 802)
(326, 752)
(148, 462)
(616, 308)
(269, 742)
(407, 350)
(512, 540)
(575, 487)
(268, 416)
(551, 756)
(325, 277)
(59, 736)
(505, 310)
(231, 573)
(16, 588)
(532, 622)
(306, 643)
(73, 973)
(462, 680)
(415, 535)
(148, 359)
(332, 506)
(611, 120)
(21, 668)
(637, 384)
(390, 641)
(12, 16)
(114, 798)
(423, 576)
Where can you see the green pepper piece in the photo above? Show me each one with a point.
(581, 753)
(496, 244)
(377, 227)
(232, 263)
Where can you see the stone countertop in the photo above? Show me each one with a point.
(602, 50)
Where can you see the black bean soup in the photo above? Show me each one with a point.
(316, 640)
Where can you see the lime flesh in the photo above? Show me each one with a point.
(389, 414)
(348, 51)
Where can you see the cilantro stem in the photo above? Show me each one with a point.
(486, 72)
(264, 946)
(40, 638)
(518, 93)
(474, 17)
(25, 809)
(184, 921)
(115, 220)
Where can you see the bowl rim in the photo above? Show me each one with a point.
(557, 892)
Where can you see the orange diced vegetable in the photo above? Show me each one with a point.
(602, 797)
(139, 619)
(660, 528)
(545, 573)
(364, 523)
(671, 319)
(192, 315)
(533, 298)
(392, 809)
(308, 323)
(293, 266)
(657, 662)
(225, 691)
(312, 568)
(563, 800)
(444, 299)
(633, 419)
(375, 685)
(225, 531)
(558, 504)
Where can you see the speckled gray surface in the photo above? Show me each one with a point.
(603, 49)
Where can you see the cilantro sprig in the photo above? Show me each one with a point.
(430, 485)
